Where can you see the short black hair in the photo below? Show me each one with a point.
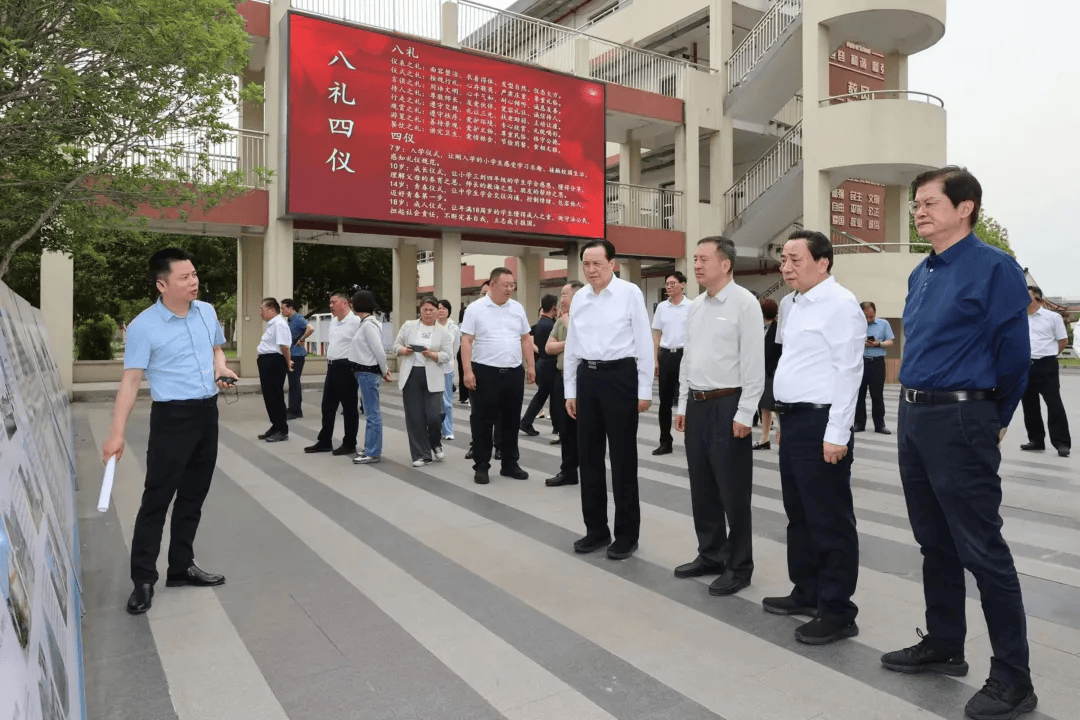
(609, 249)
(342, 295)
(576, 285)
(497, 272)
(272, 304)
(289, 303)
(725, 246)
(447, 304)
(484, 284)
(363, 301)
(958, 184)
(769, 308)
(816, 242)
(160, 265)
(429, 300)
(548, 303)
(679, 277)
(868, 304)
(1036, 291)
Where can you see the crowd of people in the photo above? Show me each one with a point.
(974, 333)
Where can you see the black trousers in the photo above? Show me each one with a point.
(822, 543)
(294, 384)
(608, 419)
(545, 378)
(721, 481)
(180, 460)
(496, 399)
(949, 460)
(1043, 380)
(669, 390)
(272, 372)
(340, 388)
(463, 392)
(567, 427)
(873, 377)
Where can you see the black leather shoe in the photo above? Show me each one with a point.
(859, 428)
(469, 454)
(529, 430)
(883, 431)
(263, 436)
(924, 657)
(700, 566)
(822, 631)
(620, 550)
(560, 480)
(998, 701)
(498, 454)
(1032, 446)
(662, 450)
(1063, 452)
(344, 450)
(194, 575)
(762, 445)
(788, 606)
(276, 437)
(728, 584)
(480, 477)
(294, 416)
(555, 440)
(140, 599)
(515, 472)
(318, 448)
(590, 544)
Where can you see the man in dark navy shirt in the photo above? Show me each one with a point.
(965, 366)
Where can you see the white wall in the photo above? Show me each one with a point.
(880, 278)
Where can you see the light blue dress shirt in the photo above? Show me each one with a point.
(880, 330)
(176, 352)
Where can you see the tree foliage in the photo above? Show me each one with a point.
(987, 229)
(109, 106)
(319, 270)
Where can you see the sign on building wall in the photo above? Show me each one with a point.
(40, 640)
(389, 129)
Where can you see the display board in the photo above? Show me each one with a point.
(391, 129)
(40, 633)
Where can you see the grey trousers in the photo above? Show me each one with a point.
(423, 415)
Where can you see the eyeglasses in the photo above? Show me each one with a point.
(916, 205)
(672, 283)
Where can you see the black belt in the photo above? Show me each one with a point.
(339, 361)
(493, 368)
(873, 357)
(702, 395)
(373, 369)
(671, 350)
(939, 397)
(197, 402)
(608, 364)
(784, 407)
(1048, 357)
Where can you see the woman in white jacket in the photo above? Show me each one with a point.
(423, 346)
(443, 316)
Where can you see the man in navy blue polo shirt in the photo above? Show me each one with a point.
(965, 365)
(177, 343)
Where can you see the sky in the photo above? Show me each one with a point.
(1009, 76)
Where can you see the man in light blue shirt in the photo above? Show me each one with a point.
(879, 335)
(299, 330)
(177, 343)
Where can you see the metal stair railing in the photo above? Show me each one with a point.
(760, 38)
(766, 172)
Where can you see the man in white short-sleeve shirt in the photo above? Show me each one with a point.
(275, 362)
(1048, 338)
(669, 338)
(494, 340)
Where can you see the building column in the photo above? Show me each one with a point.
(58, 311)
(277, 261)
(404, 287)
(249, 295)
(573, 263)
(688, 180)
(528, 283)
(631, 272)
(448, 267)
(896, 220)
(817, 185)
(449, 34)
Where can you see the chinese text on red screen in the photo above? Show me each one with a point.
(388, 129)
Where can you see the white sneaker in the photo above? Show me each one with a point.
(421, 462)
(447, 437)
(439, 454)
(362, 459)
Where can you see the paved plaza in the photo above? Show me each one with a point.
(387, 592)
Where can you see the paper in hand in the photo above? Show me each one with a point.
(106, 485)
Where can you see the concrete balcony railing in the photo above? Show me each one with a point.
(644, 207)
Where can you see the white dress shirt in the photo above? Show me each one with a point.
(823, 334)
(609, 325)
(670, 320)
(366, 347)
(723, 349)
(1045, 329)
(496, 331)
(341, 336)
(276, 334)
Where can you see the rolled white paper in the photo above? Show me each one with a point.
(106, 485)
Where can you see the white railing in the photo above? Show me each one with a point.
(243, 150)
(760, 38)
(422, 18)
(791, 114)
(772, 289)
(847, 241)
(607, 13)
(644, 207)
(526, 39)
(773, 165)
(883, 95)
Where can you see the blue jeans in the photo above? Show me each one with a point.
(448, 406)
(369, 395)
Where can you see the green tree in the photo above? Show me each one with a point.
(319, 270)
(111, 106)
(987, 229)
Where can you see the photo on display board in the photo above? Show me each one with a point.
(35, 497)
(7, 400)
(57, 566)
(12, 585)
(50, 704)
(59, 669)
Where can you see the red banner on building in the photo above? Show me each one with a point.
(391, 129)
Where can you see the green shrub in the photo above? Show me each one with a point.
(93, 339)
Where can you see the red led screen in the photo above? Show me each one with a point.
(389, 129)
